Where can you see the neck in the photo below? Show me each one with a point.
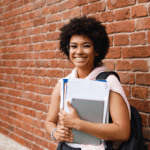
(83, 73)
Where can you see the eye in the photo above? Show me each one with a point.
(87, 46)
(73, 46)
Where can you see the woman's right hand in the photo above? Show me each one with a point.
(63, 134)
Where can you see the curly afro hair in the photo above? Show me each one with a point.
(89, 27)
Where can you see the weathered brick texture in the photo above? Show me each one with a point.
(31, 63)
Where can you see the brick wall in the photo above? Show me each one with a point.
(31, 63)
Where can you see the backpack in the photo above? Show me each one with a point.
(136, 141)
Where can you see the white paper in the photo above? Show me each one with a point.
(89, 90)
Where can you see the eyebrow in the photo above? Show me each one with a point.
(82, 43)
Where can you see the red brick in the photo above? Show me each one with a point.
(26, 24)
(45, 10)
(40, 106)
(122, 26)
(44, 29)
(38, 4)
(47, 55)
(52, 27)
(39, 21)
(139, 65)
(139, 11)
(106, 16)
(27, 8)
(122, 39)
(27, 120)
(82, 2)
(63, 63)
(143, 78)
(46, 63)
(38, 13)
(53, 9)
(31, 15)
(38, 38)
(110, 64)
(127, 78)
(60, 25)
(33, 55)
(38, 81)
(143, 24)
(114, 52)
(53, 82)
(46, 99)
(9, 28)
(142, 1)
(112, 4)
(136, 52)
(140, 105)
(110, 40)
(54, 64)
(140, 92)
(72, 13)
(25, 40)
(149, 8)
(46, 90)
(94, 8)
(71, 4)
(50, 2)
(39, 72)
(26, 2)
(46, 81)
(123, 65)
(52, 36)
(36, 147)
(148, 37)
(38, 98)
(53, 146)
(144, 119)
(39, 115)
(28, 136)
(127, 90)
(54, 18)
(55, 73)
(138, 38)
(25, 17)
(36, 30)
(122, 14)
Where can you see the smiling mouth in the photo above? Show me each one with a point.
(80, 58)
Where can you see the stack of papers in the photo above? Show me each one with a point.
(90, 99)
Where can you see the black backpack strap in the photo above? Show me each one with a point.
(104, 75)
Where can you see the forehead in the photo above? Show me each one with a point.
(80, 39)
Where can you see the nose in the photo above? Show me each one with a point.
(79, 49)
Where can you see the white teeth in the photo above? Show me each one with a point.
(79, 58)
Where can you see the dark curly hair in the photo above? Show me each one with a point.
(89, 27)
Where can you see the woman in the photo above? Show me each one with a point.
(85, 42)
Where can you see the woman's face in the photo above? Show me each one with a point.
(82, 52)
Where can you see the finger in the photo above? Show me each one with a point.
(69, 106)
(62, 111)
(64, 139)
(65, 128)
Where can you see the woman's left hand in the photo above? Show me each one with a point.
(71, 119)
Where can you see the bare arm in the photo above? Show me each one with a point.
(62, 133)
(118, 130)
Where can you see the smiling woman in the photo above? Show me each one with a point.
(85, 42)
